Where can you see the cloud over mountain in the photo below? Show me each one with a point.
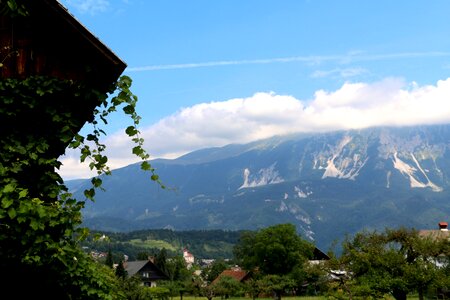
(354, 105)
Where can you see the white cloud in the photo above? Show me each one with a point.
(353, 56)
(344, 73)
(241, 120)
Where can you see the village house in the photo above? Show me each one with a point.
(440, 233)
(146, 270)
(188, 258)
(318, 257)
(442, 261)
(235, 272)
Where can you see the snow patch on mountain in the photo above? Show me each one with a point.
(283, 207)
(239, 194)
(299, 213)
(201, 198)
(302, 194)
(303, 219)
(307, 232)
(263, 177)
(340, 165)
(295, 210)
(409, 171)
(388, 179)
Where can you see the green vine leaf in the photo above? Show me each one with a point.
(7, 202)
(131, 131)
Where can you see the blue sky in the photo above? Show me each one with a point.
(213, 72)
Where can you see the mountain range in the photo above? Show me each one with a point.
(328, 184)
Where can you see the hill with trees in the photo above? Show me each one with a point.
(203, 244)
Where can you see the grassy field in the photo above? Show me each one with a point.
(234, 298)
(412, 297)
(159, 244)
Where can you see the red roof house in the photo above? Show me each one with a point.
(236, 273)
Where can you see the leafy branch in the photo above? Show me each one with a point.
(98, 161)
(13, 8)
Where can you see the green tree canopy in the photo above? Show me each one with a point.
(227, 286)
(161, 261)
(276, 285)
(396, 261)
(109, 260)
(120, 271)
(177, 269)
(275, 250)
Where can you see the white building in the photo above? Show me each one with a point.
(188, 258)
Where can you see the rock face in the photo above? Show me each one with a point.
(328, 185)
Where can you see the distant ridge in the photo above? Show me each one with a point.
(327, 184)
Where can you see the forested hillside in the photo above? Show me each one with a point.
(203, 244)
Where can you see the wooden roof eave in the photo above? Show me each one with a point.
(117, 64)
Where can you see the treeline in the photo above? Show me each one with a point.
(203, 244)
(277, 261)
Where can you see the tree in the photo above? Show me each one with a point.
(274, 250)
(120, 271)
(143, 255)
(253, 287)
(177, 269)
(339, 282)
(109, 260)
(396, 261)
(175, 288)
(208, 291)
(161, 260)
(310, 279)
(276, 285)
(132, 288)
(180, 278)
(227, 286)
(157, 292)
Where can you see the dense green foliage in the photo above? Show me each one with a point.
(39, 222)
(278, 258)
(274, 250)
(227, 286)
(396, 262)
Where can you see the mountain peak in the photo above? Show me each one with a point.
(328, 185)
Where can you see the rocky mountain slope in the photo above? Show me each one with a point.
(328, 185)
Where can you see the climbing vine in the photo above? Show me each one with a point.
(98, 161)
(39, 221)
(40, 224)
